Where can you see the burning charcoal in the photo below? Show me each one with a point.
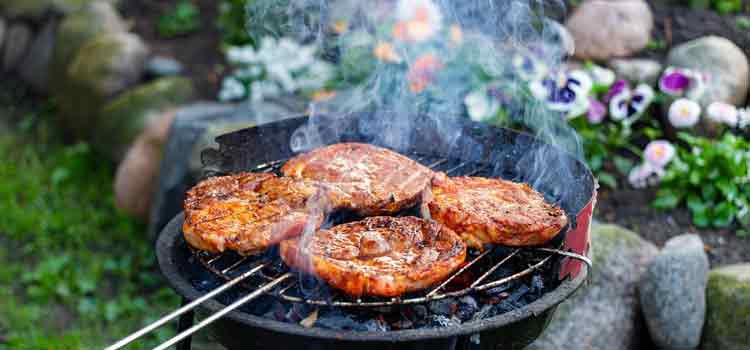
(337, 320)
(375, 325)
(443, 321)
(536, 289)
(484, 312)
(445, 306)
(420, 312)
(402, 324)
(277, 312)
(518, 293)
(467, 306)
(297, 312)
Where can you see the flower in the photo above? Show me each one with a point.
(659, 153)
(418, 20)
(682, 82)
(743, 118)
(323, 95)
(231, 89)
(616, 88)
(340, 26)
(644, 175)
(596, 112)
(385, 52)
(480, 106)
(422, 72)
(721, 112)
(568, 93)
(601, 76)
(684, 113)
(528, 68)
(625, 103)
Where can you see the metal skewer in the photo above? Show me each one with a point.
(256, 293)
(158, 323)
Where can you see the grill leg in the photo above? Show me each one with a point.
(185, 322)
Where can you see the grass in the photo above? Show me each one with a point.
(75, 273)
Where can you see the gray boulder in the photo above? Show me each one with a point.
(727, 309)
(725, 64)
(606, 313)
(637, 69)
(16, 43)
(606, 29)
(193, 129)
(35, 67)
(37, 9)
(107, 65)
(160, 66)
(673, 293)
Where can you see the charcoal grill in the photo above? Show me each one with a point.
(479, 150)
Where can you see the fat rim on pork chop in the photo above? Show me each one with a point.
(492, 211)
(249, 212)
(372, 180)
(378, 256)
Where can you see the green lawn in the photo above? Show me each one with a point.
(74, 272)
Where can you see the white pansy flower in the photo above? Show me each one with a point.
(743, 118)
(684, 113)
(645, 175)
(479, 106)
(231, 89)
(602, 76)
(659, 153)
(721, 112)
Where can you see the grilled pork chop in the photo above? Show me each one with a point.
(492, 211)
(378, 256)
(371, 180)
(249, 212)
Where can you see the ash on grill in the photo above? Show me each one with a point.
(450, 311)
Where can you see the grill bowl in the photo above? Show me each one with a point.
(506, 149)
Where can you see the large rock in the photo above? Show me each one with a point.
(727, 309)
(725, 64)
(606, 314)
(606, 29)
(35, 67)
(194, 127)
(637, 70)
(673, 293)
(16, 43)
(108, 64)
(77, 29)
(126, 117)
(37, 9)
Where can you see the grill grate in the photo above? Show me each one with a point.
(485, 265)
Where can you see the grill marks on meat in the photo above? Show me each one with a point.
(371, 180)
(249, 212)
(379, 256)
(494, 211)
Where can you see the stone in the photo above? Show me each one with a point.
(124, 118)
(38, 9)
(726, 66)
(76, 30)
(673, 293)
(16, 43)
(606, 29)
(159, 66)
(35, 67)
(727, 308)
(107, 65)
(560, 36)
(193, 129)
(606, 313)
(637, 70)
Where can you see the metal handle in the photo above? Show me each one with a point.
(160, 322)
(256, 293)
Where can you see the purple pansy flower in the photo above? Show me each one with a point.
(597, 111)
(682, 82)
(568, 93)
(625, 103)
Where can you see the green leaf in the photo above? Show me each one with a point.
(709, 192)
(724, 214)
(728, 189)
(607, 179)
(623, 164)
(666, 199)
(743, 232)
(701, 219)
(596, 161)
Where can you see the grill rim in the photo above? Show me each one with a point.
(171, 236)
